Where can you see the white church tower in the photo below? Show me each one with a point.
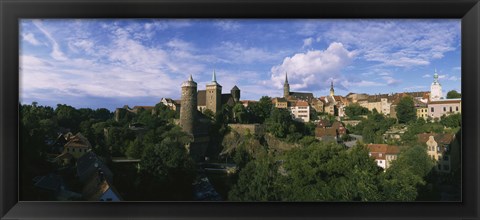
(435, 88)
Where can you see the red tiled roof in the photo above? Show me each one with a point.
(383, 148)
(445, 101)
(301, 103)
(439, 138)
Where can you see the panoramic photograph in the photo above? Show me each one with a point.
(249, 110)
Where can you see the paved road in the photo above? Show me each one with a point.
(354, 141)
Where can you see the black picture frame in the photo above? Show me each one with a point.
(12, 10)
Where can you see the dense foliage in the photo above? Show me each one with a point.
(329, 172)
(453, 94)
(354, 110)
(406, 110)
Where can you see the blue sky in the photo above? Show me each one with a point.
(110, 63)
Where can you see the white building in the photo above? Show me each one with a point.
(437, 109)
(300, 111)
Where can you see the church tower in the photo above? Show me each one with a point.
(188, 109)
(214, 95)
(435, 88)
(332, 91)
(286, 87)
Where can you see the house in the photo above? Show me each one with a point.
(99, 188)
(88, 164)
(380, 102)
(280, 102)
(438, 148)
(300, 111)
(329, 132)
(318, 105)
(247, 103)
(439, 108)
(383, 154)
(77, 145)
(171, 104)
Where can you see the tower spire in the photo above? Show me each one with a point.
(286, 78)
(214, 77)
(190, 78)
(331, 89)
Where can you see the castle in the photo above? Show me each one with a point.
(193, 102)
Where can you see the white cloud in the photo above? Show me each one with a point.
(391, 81)
(307, 42)
(361, 83)
(232, 52)
(56, 53)
(30, 38)
(426, 76)
(227, 25)
(404, 43)
(414, 88)
(314, 69)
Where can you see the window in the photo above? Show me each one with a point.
(456, 108)
(444, 109)
(450, 108)
(432, 109)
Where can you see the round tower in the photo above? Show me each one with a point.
(235, 93)
(286, 87)
(188, 109)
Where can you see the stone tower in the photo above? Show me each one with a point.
(286, 87)
(332, 91)
(235, 93)
(435, 88)
(214, 95)
(188, 109)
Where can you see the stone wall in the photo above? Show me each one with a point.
(248, 128)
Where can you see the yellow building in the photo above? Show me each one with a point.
(280, 102)
(422, 112)
(77, 145)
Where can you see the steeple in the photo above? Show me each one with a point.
(435, 77)
(190, 78)
(214, 77)
(332, 91)
(286, 87)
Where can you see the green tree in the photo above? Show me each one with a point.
(451, 121)
(68, 117)
(240, 113)
(260, 111)
(328, 172)
(167, 165)
(256, 181)
(453, 94)
(354, 110)
(406, 174)
(280, 122)
(406, 110)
